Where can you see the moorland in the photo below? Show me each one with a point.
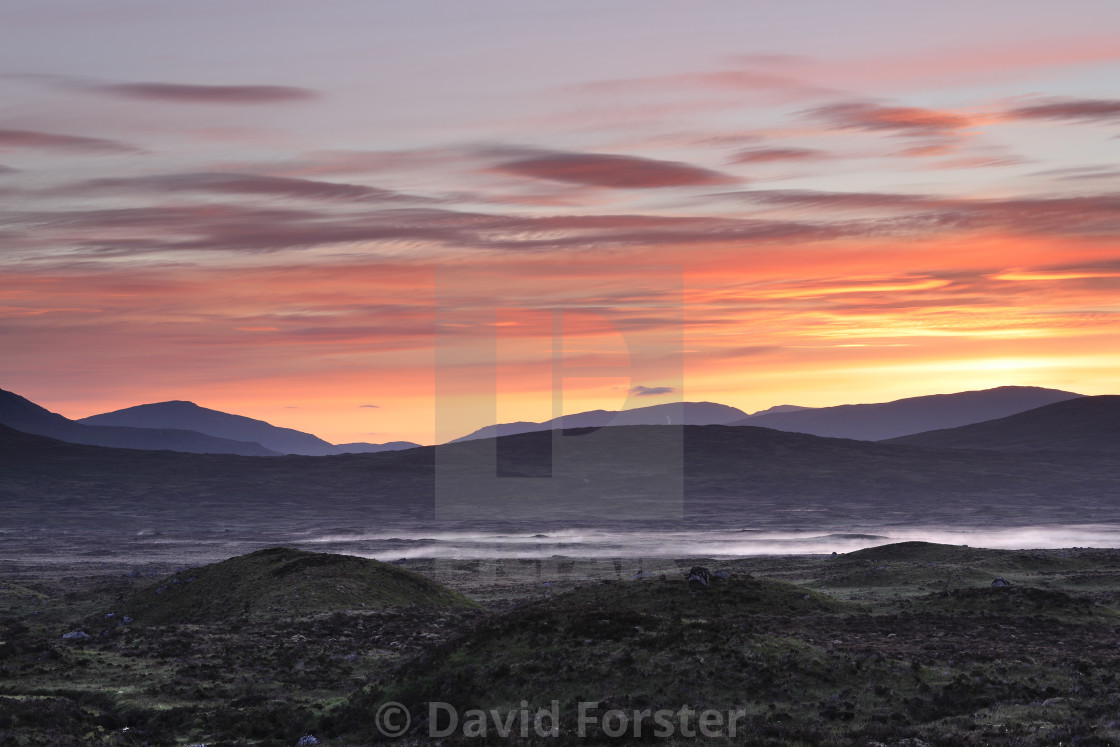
(905, 643)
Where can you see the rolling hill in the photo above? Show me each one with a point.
(884, 420)
(297, 581)
(744, 475)
(1085, 424)
(24, 415)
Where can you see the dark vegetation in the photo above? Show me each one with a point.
(288, 581)
(905, 644)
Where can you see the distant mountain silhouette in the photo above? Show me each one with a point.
(189, 416)
(902, 417)
(777, 409)
(1085, 424)
(672, 413)
(24, 415)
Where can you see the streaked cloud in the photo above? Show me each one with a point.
(52, 141)
(612, 171)
(651, 391)
(234, 183)
(1070, 110)
(770, 155)
(183, 93)
(909, 121)
(1080, 173)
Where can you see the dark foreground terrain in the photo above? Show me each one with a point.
(904, 644)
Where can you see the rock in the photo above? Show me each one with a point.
(721, 576)
(699, 577)
(75, 635)
(306, 740)
(1001, 581)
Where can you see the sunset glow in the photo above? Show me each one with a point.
(260, 207)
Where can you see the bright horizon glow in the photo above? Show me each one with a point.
(249, 206)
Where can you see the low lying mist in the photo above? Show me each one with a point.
(98, 550)
(584, 543)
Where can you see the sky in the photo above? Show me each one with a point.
(376, 221)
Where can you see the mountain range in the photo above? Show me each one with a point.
(24, 415)
(189, 416)
(185, 426)
(175, 426)
(865, 422)
(902, 417)
(743, 474)
(673, 413)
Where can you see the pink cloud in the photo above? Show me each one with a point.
(36, 140)
(1071, 110)
(746, 79)
(234, 183)
(910, 121)
(769, 155)
(936, 65)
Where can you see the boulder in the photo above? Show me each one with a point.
(699, 577)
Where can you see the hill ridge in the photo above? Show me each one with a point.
(884, 420)
(1084, 424)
